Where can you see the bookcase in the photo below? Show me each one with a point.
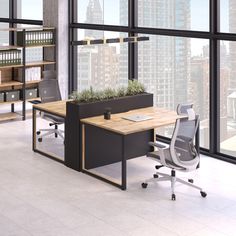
(19, 78)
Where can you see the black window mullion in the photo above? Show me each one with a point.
(132, 47)
(11, 24)
(213, 35)
(72, 82)
(214, 136)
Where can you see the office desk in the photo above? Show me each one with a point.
(122, 127)
(55, 108)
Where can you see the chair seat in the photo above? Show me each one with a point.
(53, 118)
(155, 155)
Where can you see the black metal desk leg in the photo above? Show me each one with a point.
(34, 129)
(123, 167)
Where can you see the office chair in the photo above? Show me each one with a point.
(49, 74)
(49, 92)
(180, 155)
(182, 108)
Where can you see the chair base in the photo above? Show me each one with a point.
(159, 177)
(56, 132)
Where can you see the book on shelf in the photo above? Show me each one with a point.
(31, 74)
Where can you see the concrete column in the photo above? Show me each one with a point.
(55, 13)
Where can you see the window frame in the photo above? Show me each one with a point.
(213, 35)
(12, 20)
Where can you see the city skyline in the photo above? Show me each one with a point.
(175, 69)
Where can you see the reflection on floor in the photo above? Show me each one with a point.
(39, 196)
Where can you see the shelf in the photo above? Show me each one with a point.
(17, 83)
(8, 29)
(33, 82)
(8, 74)
(41, 46)
(9, 103)
(29, 64)
(27, 29)
(35, 28)
(10, 83)
(40, 63)
(9, 47)
(10, 66)
(8, 116)
(33, 99)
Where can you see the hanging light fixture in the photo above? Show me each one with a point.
(133, 39)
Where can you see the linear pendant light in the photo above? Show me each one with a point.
(111, 40)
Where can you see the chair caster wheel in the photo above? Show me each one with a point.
(173, 197)
(158, 167)
(203, 194)
(144, 185)
(155, 176)
(40, 140)
(38, 133)
(190, 181)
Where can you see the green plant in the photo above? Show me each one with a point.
(135, 87)
(86, 95)
(109, 93)
(89, 95)
(121, 92)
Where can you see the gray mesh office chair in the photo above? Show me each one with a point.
(49, 74)
(180, 155)
(49, 92)
(182, 109)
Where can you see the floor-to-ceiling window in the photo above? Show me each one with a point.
(105, 65)
(19, 13)
(190, 57)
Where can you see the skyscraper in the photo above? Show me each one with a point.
(4, 12)
(232, 46)
(94, 15)
(98, 65)
(163, 62)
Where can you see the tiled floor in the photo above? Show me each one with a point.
(41, 197)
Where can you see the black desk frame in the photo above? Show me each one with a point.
(123, 159)
(34, 138)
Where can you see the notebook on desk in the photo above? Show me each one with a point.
(137, 117)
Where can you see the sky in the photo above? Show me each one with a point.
(199, 16)
(199, 13)
(32, 9)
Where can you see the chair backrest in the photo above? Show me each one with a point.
(49, 74)
(49, 90)
(182, 148)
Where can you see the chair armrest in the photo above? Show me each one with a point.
(158, 144)
(161, 148)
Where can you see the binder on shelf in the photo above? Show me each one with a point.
(43, 37)
(10, 57)
(31, 74)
